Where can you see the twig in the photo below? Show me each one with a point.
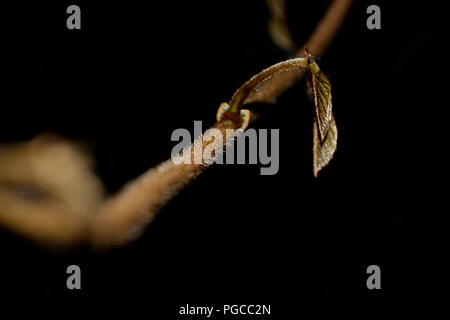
(317, 44)
(79, 214)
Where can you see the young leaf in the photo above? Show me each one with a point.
(320, 87)
(323, 150)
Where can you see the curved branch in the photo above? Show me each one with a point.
(71, 210)
(317, 44)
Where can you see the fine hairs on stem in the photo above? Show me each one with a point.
(49, 194)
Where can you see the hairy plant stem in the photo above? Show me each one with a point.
(80, 214)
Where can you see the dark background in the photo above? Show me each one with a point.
(136, 71)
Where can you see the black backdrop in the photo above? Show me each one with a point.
(137, 71)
